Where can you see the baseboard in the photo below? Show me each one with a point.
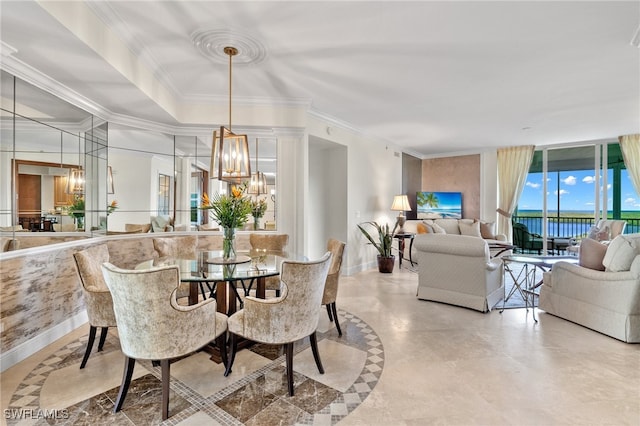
(24, 350)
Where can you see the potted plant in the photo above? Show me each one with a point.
(383, 243)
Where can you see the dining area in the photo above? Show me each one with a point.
(187, 302)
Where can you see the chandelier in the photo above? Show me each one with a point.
(75, 177)
(258, 182)
(230, 152)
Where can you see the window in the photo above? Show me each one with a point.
(164, 194)
(576, 192)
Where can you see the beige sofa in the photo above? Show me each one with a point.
(452, 227)
(459, 270)
(606, 301)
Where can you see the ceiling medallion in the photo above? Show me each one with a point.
(211, 44)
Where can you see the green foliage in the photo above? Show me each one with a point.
(230, 211)
(258, 208)
(384, 240)
(77, 208)
(428, 199)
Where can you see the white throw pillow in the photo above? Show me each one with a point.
(438, 229)
(620, 254)
(471, 229)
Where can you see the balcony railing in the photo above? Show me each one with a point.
(570, 227)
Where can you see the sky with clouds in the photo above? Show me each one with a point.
(577, 191)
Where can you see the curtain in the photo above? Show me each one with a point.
(630, 147)
(513, 168)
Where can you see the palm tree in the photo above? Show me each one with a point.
(428, 198)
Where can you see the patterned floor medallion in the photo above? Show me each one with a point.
(258, 398)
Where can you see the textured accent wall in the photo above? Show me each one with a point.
(41, 288)
(455, 174)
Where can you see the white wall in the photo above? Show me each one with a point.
(327, 195)
(374, 176)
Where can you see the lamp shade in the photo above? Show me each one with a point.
(401, 204)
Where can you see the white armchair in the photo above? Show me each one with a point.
(605, 301)
(458, 269)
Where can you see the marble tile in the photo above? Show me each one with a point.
(199, 419)
(342, 364)
(425, 363)
(69, 385)
(144, 399)
(207, 377)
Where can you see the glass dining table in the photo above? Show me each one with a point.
(250, 269)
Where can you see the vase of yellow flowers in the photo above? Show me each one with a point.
(231, 212)
(258, 209)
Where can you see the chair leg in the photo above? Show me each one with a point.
(314, 348)
(164, 364)
(129, 364)
(328, 305)
(221, 343)
(234, 347)
(289, 352)
(103, 337)
(92, 337)
(335, 315)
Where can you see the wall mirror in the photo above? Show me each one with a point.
(143, 173)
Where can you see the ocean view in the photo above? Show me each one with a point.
(575, 223)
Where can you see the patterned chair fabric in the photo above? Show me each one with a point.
(274, 243)
(288, 318)
(96, 294)
(153, 326)
(179, 247)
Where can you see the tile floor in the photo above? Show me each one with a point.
(401, 361)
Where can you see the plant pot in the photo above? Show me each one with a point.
(385, 264)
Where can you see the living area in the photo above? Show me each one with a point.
(342, 113)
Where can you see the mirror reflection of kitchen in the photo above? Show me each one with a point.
(43, 199)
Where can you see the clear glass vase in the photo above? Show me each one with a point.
(229, 243)
(256, 223)
(80, 222)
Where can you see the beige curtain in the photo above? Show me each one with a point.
(630, 147)
(513, 167)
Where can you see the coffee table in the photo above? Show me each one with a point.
(524, 280)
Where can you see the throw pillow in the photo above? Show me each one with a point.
(437, 229)
(471, 229)
(424, 228)
(620, 255)
(488, 230)
(133, 227)
(600, 234)
(592, 254)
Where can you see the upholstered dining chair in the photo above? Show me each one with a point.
(153, 326)
(272, 243)
(331, 284)
(288, 318)
(183, 247)
(96, 294)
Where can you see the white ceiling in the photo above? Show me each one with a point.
(430, 77)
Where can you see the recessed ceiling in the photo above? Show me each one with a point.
(430, 77)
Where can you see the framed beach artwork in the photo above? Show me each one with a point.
(439, 205)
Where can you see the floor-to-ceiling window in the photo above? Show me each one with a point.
(570, 188)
